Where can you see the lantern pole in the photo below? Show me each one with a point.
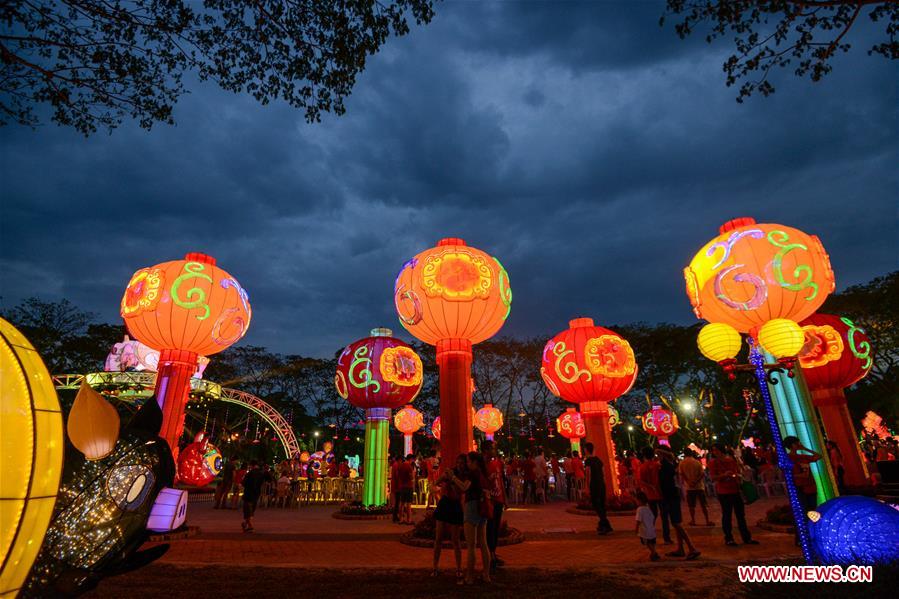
(783, 460)
(407, 444)
(454, 358)
(599, 432)
(377, 436)
(176, 367)
(832, 406)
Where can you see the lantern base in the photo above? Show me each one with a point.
(377, 438)
(456, 438)
(176, 367)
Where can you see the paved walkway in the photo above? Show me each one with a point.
(309, 538)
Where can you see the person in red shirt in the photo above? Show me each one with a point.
(333, 469)
(497, 492)
(394, 464)
(725, 472)
(576, 467)
(238, 483)
(405, 481)
(648, 482)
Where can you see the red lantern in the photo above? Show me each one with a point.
(377, 374)
(835, 355)
(571, 426)
(185, 309)
(453, 296)
(408, 420)
(488, 420)
(591, 366)
(660, 423)
(199, 463)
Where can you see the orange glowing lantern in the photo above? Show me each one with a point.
(453, 296)
(752, 273)
(591, 366)
(835, 355)
(488, 420)
(185, 309)
(660, 423)
(571, 426)
(408, 420)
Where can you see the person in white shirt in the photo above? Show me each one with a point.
(646, 525)
(542, 472)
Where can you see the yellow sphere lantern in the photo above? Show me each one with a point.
(719, 342)
(31, 454)
(93, 424)
(782, 338)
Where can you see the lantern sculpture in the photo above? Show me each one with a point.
(453, 296)
(185, 309)
(835, 355)
(31, 456)
(762, 279)
(855, 530)
(200, 462)
(408, 420)
(378, 373)
(591, 366)
(435, 428)
(488, 420)
(571, 426)
(660, 423)
(92, 424)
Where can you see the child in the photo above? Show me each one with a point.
(646, 525)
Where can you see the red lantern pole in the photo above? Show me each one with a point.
(832, 406)
(454, 361)
(599, 432)
(176, 367)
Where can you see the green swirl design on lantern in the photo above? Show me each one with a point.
(571, 371)
(366, 378)
(505, 290)
(780, 239)
(862, 351)
(196, 297)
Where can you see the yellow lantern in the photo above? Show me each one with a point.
(93, 424)
(719, 342)
(31, 453)
(781, 337)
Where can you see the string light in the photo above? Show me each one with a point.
(783, 461)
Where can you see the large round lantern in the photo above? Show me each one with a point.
(488, 420)
(660, 423)
(571, 426)
(185, 309)
(836, 354)
(378, 373)
(199, 463)
(408, 420)
(452, 296)
(31, 456)
(752, 273)
(591, 366)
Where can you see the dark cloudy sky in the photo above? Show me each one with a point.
(590, 150)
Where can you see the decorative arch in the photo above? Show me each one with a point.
(139, 385)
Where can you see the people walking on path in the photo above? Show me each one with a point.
(646, 525)
(252, 489)
(693, 475)
(725, 473)
(671, 504)
(596, 486)
(497, 491)
(648, 482)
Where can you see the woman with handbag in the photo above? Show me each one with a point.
(477, 507)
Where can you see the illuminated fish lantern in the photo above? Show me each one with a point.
(854, 529)
(102, 509)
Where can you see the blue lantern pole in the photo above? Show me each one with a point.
(783, 460)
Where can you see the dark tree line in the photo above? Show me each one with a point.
(506, 373)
